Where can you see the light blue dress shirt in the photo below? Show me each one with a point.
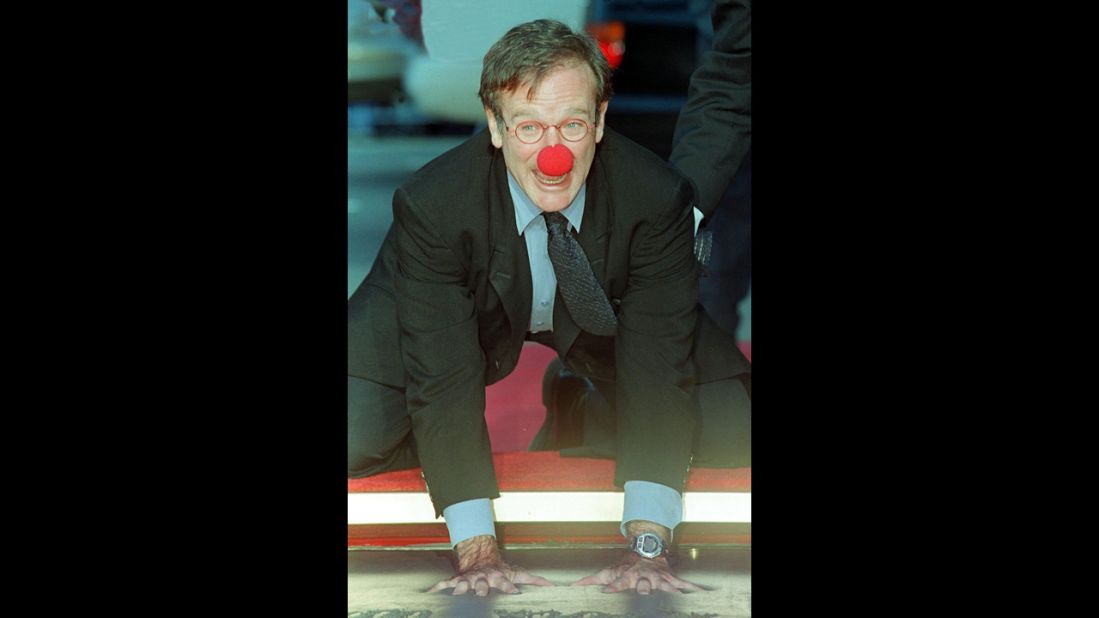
(643, 500)
(532, 227)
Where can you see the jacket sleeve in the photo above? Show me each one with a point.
(655, 376)
(443, 361)
(714, 130)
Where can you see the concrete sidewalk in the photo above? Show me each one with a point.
(390, 583)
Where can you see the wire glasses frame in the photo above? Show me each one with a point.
(531, 131)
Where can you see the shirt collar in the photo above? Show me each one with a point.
(526, 211)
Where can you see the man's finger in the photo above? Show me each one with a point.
(480, 587)
(461, 587)
(592, 580)
(446, 583)
(499, 582)
(509, 588)
(667, 587)
(618, 585)
(522, 577)
(682, 584)
(644, 586)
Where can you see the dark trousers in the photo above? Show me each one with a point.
(724, 439)
(729, 273)
(379, 430)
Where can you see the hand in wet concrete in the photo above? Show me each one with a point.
(634, 572)
(480, 569)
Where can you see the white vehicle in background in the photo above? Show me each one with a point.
(377, 55)
(652, 45)
(443, 82)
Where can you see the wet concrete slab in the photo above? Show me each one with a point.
(391, 584)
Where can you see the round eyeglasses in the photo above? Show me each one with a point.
(530, 131)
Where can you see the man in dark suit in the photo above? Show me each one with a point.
(484, 254)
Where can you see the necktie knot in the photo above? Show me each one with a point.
(556, 223)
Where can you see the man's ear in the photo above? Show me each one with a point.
(496, 130)
(600, 117)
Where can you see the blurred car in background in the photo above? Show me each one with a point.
(430, 51)
(653, 46)
(377, 55)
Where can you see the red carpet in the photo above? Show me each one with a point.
(513, 406)
(548, 471)
(544, 533)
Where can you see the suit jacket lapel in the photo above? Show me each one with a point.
(509, 267)
(596, 226)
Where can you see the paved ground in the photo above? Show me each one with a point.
(391, 584)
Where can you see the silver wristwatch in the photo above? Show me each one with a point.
(647, 544)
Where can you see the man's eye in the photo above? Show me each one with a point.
(574, 125)
(529, 129)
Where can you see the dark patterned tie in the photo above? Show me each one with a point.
(584, 297)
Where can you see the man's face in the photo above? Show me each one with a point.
(564, 94)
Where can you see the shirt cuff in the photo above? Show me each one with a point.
(465, 520)
(652, 502)
(698, 219)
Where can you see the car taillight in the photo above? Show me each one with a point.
(611, 37)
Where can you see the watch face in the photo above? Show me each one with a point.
(648, 545)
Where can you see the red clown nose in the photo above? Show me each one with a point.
(555, 160)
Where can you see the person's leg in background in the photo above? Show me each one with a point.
(729, 273)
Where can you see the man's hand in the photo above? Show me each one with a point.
(635, 572)
(481, 568)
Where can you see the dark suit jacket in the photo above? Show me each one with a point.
(714, 130)
(445, 311)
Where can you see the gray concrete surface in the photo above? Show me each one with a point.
(391, 584)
